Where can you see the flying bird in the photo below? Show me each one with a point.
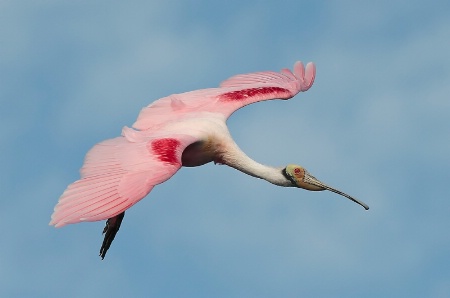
(187, 129)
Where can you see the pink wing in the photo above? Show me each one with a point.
(117, 173)
(234, 93)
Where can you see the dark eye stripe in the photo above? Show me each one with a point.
(287, 176)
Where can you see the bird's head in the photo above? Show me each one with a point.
(299, 177)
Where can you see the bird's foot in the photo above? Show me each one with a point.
(218, 161)
(110, 231)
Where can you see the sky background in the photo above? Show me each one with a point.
(376, 124)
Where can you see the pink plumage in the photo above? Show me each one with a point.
(182, 129)
(119, 172)
(270, 84)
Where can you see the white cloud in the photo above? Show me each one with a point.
(375, 125)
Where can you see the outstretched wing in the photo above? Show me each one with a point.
(119, 172)
(234, 93)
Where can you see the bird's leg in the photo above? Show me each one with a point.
(218, 161)
(110, 231)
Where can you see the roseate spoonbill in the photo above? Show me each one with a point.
(185, 129)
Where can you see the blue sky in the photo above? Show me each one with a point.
(375, 124)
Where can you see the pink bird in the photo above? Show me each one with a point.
(187, 129)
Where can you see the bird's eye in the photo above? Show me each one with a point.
(297, 171)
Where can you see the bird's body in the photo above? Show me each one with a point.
(187, 129)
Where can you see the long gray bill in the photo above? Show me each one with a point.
(314, 181)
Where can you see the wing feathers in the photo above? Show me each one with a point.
(179, 106)
(303, 78)
(254, 78)
(116, 174)
(306, 76)
(119, 172)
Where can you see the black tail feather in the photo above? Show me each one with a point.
(110, 231)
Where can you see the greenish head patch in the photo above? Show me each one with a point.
(295, 174)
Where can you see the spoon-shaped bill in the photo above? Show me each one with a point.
(315, 182)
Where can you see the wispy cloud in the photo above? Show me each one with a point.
(375, 124)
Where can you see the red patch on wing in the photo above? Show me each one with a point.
(251, 92)
(166, 150)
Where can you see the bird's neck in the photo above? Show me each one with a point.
(235, 158)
